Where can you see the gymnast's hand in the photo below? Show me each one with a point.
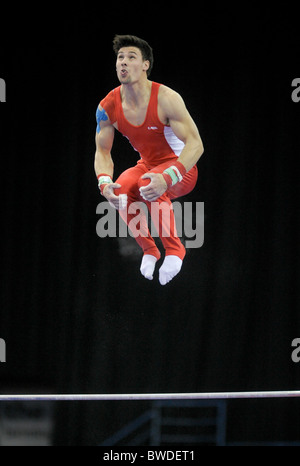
(118, 202)
(153, 190)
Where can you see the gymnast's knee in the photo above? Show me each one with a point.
(143, 182)
(128, 185)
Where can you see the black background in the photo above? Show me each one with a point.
(76, 314)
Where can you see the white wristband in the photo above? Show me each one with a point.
(104, 180)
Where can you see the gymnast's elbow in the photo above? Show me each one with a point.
(199, 148)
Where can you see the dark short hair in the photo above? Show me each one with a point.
(133, 41)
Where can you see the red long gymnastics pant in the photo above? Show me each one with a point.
(130, 181)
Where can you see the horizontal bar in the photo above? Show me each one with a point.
(153, 396)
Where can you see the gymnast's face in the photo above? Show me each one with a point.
(130, 65)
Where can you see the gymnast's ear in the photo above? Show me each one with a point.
(146, 65)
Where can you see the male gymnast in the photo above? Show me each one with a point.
(155, 120)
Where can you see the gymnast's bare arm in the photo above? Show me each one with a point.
(103, 160)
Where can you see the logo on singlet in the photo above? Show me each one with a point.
(152, 127)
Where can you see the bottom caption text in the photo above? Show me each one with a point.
(148, 455)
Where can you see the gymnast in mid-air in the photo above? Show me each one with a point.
(155, 120)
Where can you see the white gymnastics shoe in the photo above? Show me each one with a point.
(169, 269)
(148, 266)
